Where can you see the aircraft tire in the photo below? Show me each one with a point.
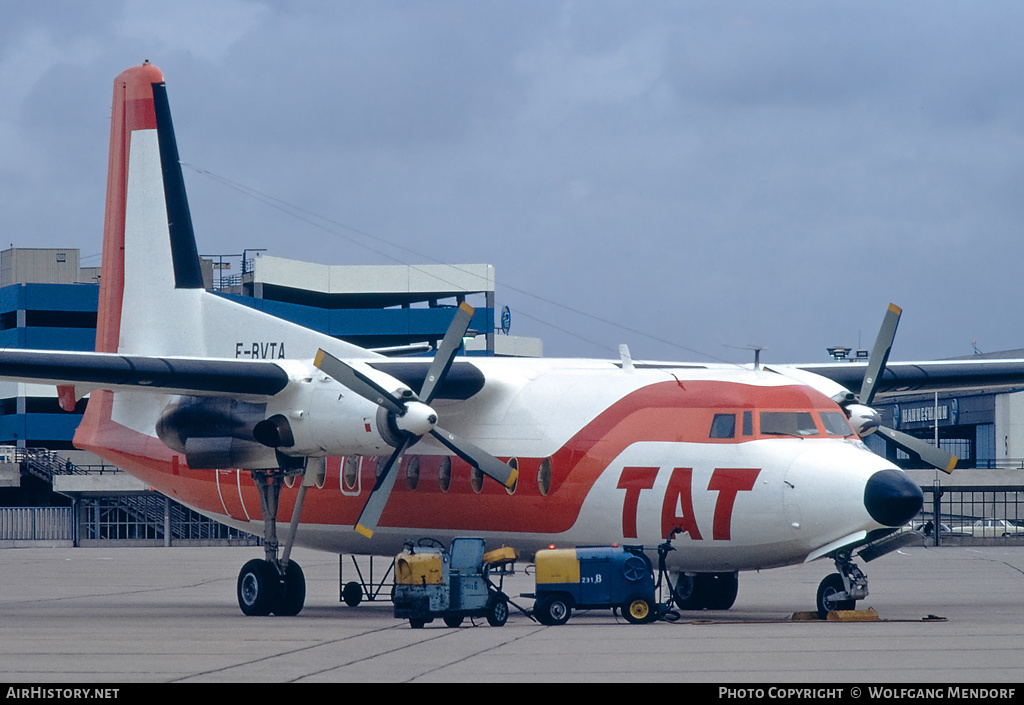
(686, 592)
(832, 585)
(258, 588)
(293, 592)
(721, 590)
(706, 591)
(638, 610)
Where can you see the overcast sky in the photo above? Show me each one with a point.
(695, 177)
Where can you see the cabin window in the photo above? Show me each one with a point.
(412, 472)
(836, 423)
(514, 464)
(544, 476)
(788, 423)
(350, 473)
(476, 479)
(723, 426)
(444, 474)
(748, 423)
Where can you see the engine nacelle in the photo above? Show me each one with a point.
(863, 419)
(317, 416)
(314, 416)
(215, 432)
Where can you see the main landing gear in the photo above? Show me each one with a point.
(273, 585)
(705, 591)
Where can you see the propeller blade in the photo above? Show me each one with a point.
(880, 354)
(936, 457)
(445, 356)
(478, 458)
(374, 507)
(359, 383)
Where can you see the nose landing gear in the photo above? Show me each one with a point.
(840, 591)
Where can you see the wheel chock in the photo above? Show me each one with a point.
(868, 615)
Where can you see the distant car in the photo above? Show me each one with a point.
(987, 528)
(945, 530)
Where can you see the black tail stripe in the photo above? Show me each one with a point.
(188, 273)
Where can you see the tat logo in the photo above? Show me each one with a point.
(728, 482)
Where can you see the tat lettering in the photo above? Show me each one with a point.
(260, 351)
(633, 480)
(677, 508)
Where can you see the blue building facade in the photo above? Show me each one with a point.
(63, 317)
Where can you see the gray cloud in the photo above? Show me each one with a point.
(705, 173)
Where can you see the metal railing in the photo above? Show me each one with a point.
(967, 513)
(37, 524)
(147, 517)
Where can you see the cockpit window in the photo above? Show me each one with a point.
(836, 423)
(788, 423)
(723, 426)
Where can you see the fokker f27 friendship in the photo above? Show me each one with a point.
(745, 467)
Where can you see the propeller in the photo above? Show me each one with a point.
(412, 416)
(867, 420)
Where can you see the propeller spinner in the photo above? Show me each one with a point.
(413, 417)
(866, 420)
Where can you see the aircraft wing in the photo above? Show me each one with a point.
(171, 375)
(927, 376)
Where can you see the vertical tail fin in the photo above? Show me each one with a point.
(152, 298)
(147, 216)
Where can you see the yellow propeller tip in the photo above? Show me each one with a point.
(512, 479)
(360, 529)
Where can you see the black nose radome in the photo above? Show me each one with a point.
(891, 498)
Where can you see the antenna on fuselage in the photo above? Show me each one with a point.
(626, 358)
(757, 352)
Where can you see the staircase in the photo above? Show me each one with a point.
(133, 517)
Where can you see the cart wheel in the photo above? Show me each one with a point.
(453, 620)
(553, 610)
(497, 613)
(417, 623)
(638, 610)
(352, 594)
